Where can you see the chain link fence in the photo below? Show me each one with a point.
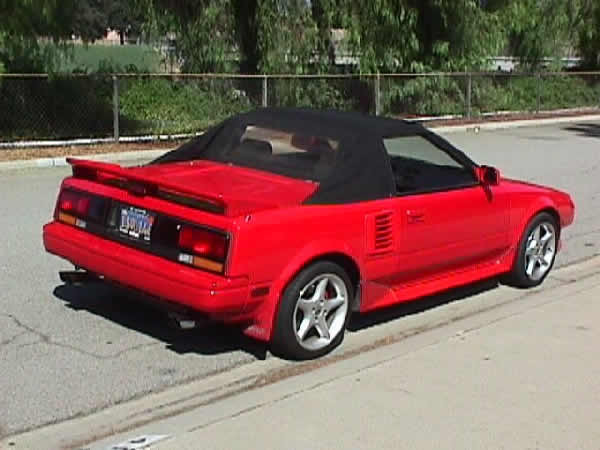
(40, 107)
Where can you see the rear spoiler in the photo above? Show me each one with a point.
(115, 175)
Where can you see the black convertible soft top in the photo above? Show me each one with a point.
(361, 170)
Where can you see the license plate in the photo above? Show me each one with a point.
(136, 223)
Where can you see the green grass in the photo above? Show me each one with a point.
(92, 58)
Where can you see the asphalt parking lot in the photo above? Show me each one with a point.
(69, 351)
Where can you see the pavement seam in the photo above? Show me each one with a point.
(206, 392)
(270, 402)
(532, 307)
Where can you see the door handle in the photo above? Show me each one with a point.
(415, 216)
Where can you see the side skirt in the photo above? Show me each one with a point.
(378, 296)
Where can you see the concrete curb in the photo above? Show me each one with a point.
(500, 125)
(62, 160)
(150, 154)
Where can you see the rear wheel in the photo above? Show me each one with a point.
(313, 313)
(537, 252)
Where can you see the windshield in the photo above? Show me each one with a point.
(297, 155)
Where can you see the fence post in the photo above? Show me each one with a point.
(538, 87)
(378, 94)
(469, 91)
(265, 92)
(115, 108)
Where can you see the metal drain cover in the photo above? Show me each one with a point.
(139, 442)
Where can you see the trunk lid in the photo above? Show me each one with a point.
(219, 188)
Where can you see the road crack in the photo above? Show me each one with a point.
(46, 339)
(10, 340)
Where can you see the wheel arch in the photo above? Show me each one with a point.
(513, 278)
(346, 262)
(549, 209)
(343, 258)
(554, 213)
(532, 213)
(532, 208)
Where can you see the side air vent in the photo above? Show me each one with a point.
(380, 233)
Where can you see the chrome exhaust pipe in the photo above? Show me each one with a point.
(184, 322)
(73, 277)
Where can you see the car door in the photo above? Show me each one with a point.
(448, 220)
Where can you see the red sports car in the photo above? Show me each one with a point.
(283, 221)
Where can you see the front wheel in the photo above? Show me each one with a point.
(537, 252)
(313, 313)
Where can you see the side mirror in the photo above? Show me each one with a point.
(488, 176)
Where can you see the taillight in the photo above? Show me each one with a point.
(203, 248)
(75, 203)
(76, 208)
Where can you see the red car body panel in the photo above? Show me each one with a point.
(218, 182)
(196, 289)
(266, 227)
(434, 241)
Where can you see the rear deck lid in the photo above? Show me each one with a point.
(215, 187)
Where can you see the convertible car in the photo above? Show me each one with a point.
(284, 221)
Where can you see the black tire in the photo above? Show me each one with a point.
(518, 276)
(285, 343)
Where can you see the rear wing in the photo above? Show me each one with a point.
(136, 184)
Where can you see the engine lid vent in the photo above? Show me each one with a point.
(380, 233)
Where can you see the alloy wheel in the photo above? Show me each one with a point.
(320, 312)
(540, 251)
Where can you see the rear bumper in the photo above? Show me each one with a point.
(211, 294)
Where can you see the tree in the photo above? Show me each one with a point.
(124, 17)
(247, 34)
(23, 23)
(456, 35)
(540, 29)
(588, 39)
(205, 31)
(420, 35)
(90, 20)
(94, 17)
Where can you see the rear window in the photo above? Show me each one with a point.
(282, 152)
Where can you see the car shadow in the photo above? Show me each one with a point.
(130, 311)
(126, 309)
(360, 322)
(585, 129)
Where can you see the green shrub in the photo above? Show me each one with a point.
(430, 96)
(315, 93)
(176, 106)
(440, 95)
(528, 93)
(568, 92)
(55, 108)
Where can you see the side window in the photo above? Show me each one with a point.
(420, 166)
